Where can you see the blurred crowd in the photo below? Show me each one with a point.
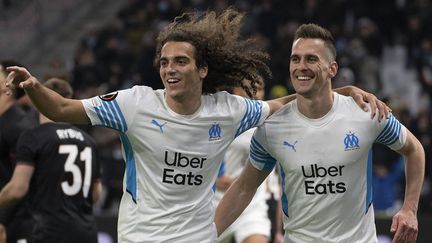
(384, 47)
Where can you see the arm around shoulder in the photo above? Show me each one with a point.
(276, 104)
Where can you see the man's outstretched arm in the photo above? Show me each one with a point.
(48, 102)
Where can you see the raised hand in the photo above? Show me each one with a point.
(20, 77)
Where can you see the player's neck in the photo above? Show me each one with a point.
(5, 103)
(185, 106)
(317, 106)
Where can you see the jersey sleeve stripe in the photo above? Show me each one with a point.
(394, 136)
(121, 115)
(131, 186)
(387, 128)
(251, 117)
(391, 132)
(109, 116)
(101, 115)
(260, 156)
(118, 122)
(98, 112)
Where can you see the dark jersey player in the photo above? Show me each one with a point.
(16, 220)
(56, 167)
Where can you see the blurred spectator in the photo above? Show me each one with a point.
(386, 181)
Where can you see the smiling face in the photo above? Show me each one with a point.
(180, 75)
(311, 67)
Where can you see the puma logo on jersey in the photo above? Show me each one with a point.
(292, 146)
(156, 123)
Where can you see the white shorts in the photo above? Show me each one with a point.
(254, 220)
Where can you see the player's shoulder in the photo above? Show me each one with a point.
(134, 95)
(347, 105)
(284, 112)
(222, 100)
(135, 91)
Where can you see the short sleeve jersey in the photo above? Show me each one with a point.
(61, 188)
(171, 160)
(326, 169)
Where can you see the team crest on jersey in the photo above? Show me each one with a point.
(109, 97)
(215, 132)
(351, 141)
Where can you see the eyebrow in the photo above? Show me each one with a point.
(175, 58)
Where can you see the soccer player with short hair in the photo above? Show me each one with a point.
(322, 142)
(57, 168)
(16, 222)
(174, 139)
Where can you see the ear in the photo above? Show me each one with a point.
(333, 69)
(203, 71)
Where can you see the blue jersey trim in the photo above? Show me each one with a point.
(284, 198)
(110, 115)
(369, 183)
(131, 185)
(251, 117)
(123, 121)
(222, 169)
(391, 132)
(116, 117)
(260, 155)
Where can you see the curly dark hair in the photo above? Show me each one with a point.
(219, 46)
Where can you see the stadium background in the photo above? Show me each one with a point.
(99, 46)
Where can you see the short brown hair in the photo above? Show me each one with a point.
(313, 31)
(18, 93)
(60, 86)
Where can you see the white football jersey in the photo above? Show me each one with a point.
(171, 160)
(326, 169)
(254, 219)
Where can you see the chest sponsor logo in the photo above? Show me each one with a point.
(215, 132)
(314, 184)
(174, 160)
(351, 141)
